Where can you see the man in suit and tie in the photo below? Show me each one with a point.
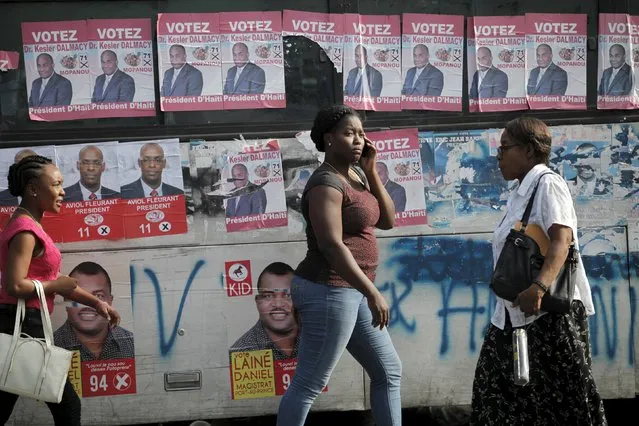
(152, 164)
(395, 190)
(244, 205)
(488, 81)
(182, 79)
(6, 199)
(114, 85)
(245, 78)
(616, 80)
(547, 78)
(91, 165)
(423, 79)
(50, 89)
(360, 83)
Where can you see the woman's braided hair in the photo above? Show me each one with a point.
(22, 172)
(326, 120)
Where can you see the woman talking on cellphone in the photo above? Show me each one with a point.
(333, 291)
(28, 253)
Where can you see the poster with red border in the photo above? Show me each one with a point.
(618, 41)
(254, 179)
(399, 166)
(152, 188)
(9, 60)
(556, 60)
(498, 78)
(326, 29)
(372, 43)
(252, 60)
(92, 207)
(432, 61)
(121, 63)
(190, 61)
(59, 88)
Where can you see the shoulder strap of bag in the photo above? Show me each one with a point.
(20, 313)
(526, 216)
(44, 313)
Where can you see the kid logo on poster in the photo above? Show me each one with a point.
(191, 61)
(432, 61)
(121, 61)
(556, 61)
(256, 186)
(399, 167)
(616, 87)
(152, 188)
(92, 209)
(498, 70)
(373, 60)
(252, 60)
(58, 74)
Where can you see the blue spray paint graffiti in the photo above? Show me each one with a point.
(165, 345)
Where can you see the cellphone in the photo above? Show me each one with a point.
(366, 149)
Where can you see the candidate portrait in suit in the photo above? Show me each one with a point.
(91, 165)
(547, 78)
(616, 80)
(488, 81)
(395, 190)
(360, 83)
(50, 89)
(114, 85)
(6, 199)
(248, 204)
(423, 79)
(152, 163)
(244, 78)
(182, 79)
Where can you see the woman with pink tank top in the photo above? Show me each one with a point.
(27, 253)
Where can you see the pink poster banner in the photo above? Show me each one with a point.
(254, 179)
(9, 60)
(497, 63)
(399, 167)
(190, 61)
(121, 63)
(372, 62)
(618, 59)
(326, 29)
(432, 61)
(252, 60)
(556, 60)
(58, 72)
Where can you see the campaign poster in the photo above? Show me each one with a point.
(121, 63)
(399, 167)
(103, 362)
(9, 203)
(616, 83)
(58, 71)
(556, 60)
(92, 207)
(497, 80)
(625, 163)
(152, 188)
(326, 29)
(252, 60)
(9, 60)
(372, 62)
(253, 183)
(432, 61)
(190, 61)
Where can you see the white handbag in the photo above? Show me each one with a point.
(33, 367)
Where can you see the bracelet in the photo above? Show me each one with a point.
(541, 285)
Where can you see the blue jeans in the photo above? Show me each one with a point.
(334, 319)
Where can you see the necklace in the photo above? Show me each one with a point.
(29, 214)
(336, 171)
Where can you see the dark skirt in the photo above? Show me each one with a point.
(561, 390)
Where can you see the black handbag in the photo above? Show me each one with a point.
(520, 262)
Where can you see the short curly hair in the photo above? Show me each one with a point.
(22, 172)
(326, 120)
(534, 132)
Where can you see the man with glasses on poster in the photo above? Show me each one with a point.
(152, 164)
(91, 165)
